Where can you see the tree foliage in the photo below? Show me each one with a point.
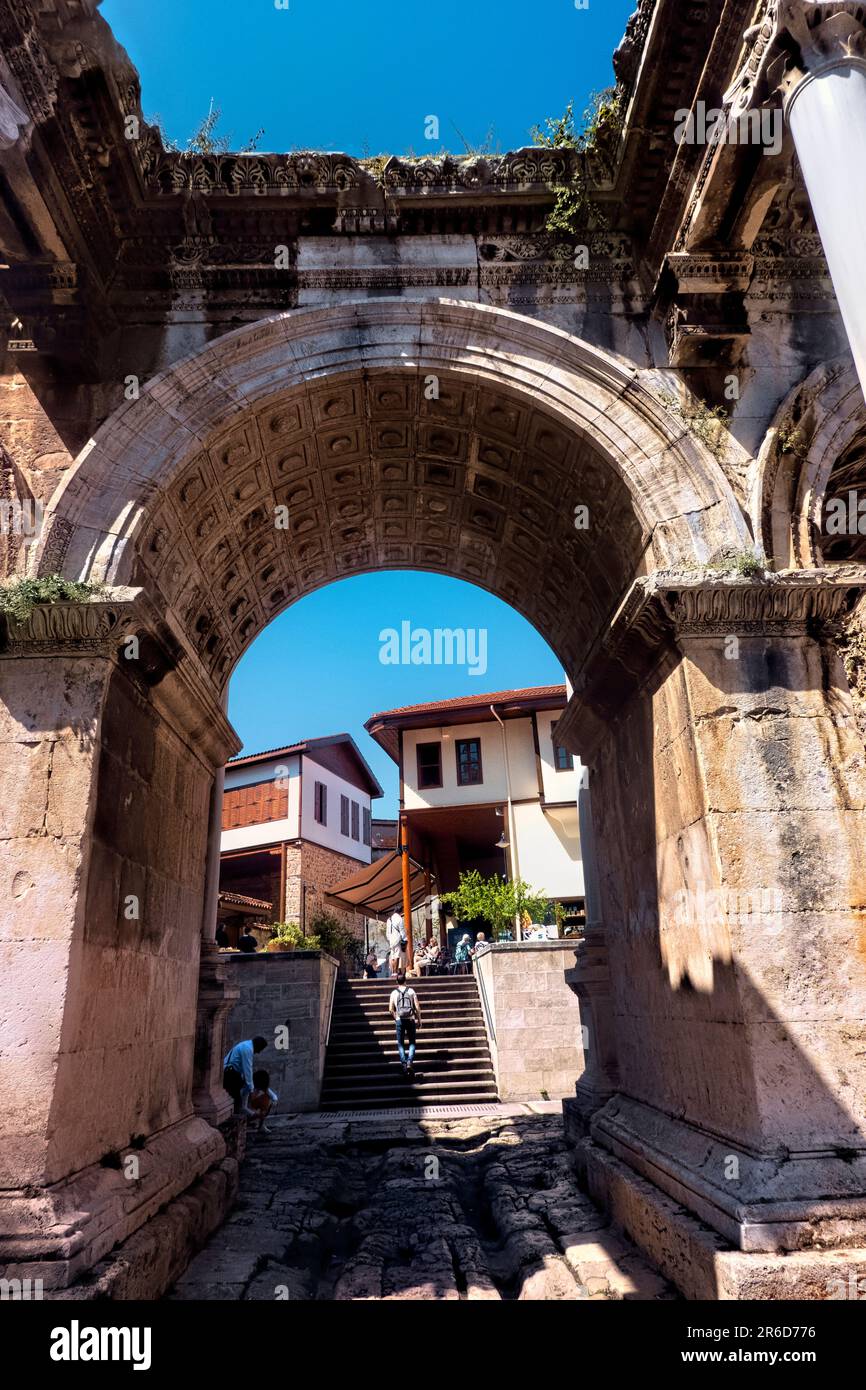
(497, 901)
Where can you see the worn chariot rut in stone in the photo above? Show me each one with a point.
(477, 1208)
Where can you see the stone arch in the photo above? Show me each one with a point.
(331, 413)
(704, 697)
(816, 427)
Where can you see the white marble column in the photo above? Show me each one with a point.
(826, 110)
(811, 56)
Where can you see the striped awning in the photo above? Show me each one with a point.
(377, 889)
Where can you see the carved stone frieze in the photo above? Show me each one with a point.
(64, 629)
(626, 59)
(669, 606)
(778, 604)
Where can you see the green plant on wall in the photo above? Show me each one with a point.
(287, 936)
(496, 901)
(19, 597)
(335, 936)
(593, 143)
(748, 564)
(707, 423)
(205, 139)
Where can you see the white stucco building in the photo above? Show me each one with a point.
(295, 821)
(484, 784)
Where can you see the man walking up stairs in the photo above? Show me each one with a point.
(453, 1067)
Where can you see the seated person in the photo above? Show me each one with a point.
(261, 1100)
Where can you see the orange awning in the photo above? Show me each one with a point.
(378, 887)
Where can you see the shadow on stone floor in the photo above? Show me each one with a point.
(476, 1208)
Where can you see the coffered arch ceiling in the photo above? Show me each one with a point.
(396, 435)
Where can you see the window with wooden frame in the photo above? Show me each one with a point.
(344, 815)
(469, 762)
(320, 803)
(429, 757)
(562, 758)
(368, 826)
(356, 821)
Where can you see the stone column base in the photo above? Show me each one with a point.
(217, 996)
(699, 1261)
(152, 1260)
(60, 1232)
(578, 1110)
(770, 1202)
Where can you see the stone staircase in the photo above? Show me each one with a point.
(452, 1061)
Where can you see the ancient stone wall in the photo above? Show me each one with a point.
(532, 1018)
(291, 989)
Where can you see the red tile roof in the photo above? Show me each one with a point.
(242, 899)
(499, 697)
(309, 745)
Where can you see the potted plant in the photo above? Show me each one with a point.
(285, 936)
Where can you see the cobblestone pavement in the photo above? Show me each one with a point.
(480, 1207)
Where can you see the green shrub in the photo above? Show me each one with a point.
(286, 936)
(496, 901)
(21, 596)
(337, 938)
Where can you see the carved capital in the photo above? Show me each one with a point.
(793, 39)
(669, 607)
(787, 604)
(72, 629)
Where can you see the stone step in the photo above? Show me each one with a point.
(473, 1051)
(471, 1046)
(445, 1032)
(346, 1016)
(397, 1102)
(447, 1092)
(421, 982)
(360, 1025)
(458, 1069)
(453, 1062)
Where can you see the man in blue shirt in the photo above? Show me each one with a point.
(238, 1064)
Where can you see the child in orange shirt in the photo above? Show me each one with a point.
(261, 1100)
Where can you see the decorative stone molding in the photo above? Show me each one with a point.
(782, 604)
(72, 629)
(627, 58)
(716, 272)
(166, 172)
(669, 606)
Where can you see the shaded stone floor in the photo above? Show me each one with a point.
(478, 1207)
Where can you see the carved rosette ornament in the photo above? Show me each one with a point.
(796, 39)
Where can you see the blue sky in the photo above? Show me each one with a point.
(362, 76)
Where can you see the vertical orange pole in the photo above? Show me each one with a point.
(428, 913)
(407, 895)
